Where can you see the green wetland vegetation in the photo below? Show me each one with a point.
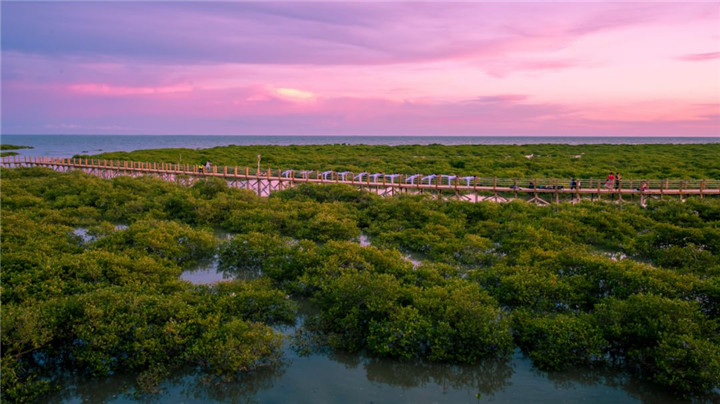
(646, 161)
(5, 147)
(611, 287)
(13, 147)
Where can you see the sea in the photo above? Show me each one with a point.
(70, 145)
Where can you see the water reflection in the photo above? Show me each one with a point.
(585, 377)
(186, 385)
(342, 377)
(96, 390)
(364, 240)
(334, 376)
(205, 272)
(84, 235)
(214, 269)
(231, 271)
(244, 389)
(87, 236)
(487, 377)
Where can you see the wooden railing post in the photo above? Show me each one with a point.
(681, 190)
(474, 180)
(661, 190)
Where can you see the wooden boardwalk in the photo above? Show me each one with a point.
(542, 191)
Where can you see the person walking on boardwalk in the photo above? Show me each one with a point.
(610, 180)
(617, 180)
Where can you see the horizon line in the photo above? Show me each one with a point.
(345, 136)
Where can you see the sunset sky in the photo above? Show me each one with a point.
(367, 68)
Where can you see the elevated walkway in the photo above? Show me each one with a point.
(542, 191)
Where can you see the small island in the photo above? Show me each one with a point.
(12, 147)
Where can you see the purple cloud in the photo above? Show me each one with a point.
(302, 33)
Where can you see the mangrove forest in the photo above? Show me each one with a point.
(91, 271)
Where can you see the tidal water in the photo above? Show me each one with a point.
(354, 378)
(206, 272)
(69, 145)
(337, 377)
(341, 378)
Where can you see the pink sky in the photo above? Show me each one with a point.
(372, 68)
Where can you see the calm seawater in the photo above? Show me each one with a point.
(69, 145)
(343, 378)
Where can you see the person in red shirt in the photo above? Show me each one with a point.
(610, 181)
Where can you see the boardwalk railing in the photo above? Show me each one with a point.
(470, 188)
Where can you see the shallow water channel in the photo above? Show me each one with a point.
(332, 377)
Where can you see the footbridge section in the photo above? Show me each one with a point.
(541, 191)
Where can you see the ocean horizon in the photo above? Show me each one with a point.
(69, 145)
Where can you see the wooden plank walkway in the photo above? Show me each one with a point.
(542, 191)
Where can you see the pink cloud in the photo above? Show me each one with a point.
(259, 109)
(502, 67)
(502, 98)
(699, 57)
(108, 90)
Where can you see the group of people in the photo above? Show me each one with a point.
(207, 167)
(613, 181)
